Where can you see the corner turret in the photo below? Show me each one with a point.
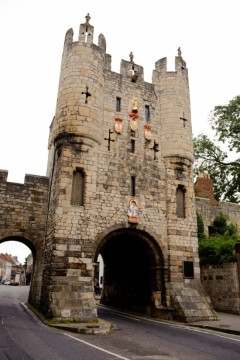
(175, 113)
(79, 109)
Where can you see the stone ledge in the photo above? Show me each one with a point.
(91, 328)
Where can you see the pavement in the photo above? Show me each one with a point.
(226, 323)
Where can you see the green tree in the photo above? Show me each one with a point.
(211, 158)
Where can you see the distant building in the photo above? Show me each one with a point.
(29, 269)
(10, 269)
(5, 268)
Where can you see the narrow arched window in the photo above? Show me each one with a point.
(180, 201)
(77, 187)
(147, 113)
(133, 185)
(132, 149)
(118, 104)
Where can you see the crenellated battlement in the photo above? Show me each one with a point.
(86, 32)
(133, 71)
(127, 68)
(180, 65)
(3, 176)
(29, 181)
(69, 37)
(88, 90)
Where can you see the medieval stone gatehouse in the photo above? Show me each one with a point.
(119, 183)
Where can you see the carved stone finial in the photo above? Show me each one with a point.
(87, 17)
(131, 57)
(135, 105)
(179, 51)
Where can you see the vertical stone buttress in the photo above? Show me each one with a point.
(67, 284)
(177, 152)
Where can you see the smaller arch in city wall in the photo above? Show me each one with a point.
(36, 248)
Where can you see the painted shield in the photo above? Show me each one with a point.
(118, 125)
(148, 132)
(133, 117)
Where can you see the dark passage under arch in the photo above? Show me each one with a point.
(133, 271)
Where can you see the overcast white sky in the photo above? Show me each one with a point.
(32, 34)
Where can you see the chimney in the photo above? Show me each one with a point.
(204, 188)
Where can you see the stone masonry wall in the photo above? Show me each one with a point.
(23, 210)
(221, 283)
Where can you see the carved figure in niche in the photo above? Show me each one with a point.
(133, 211)
(118, 125)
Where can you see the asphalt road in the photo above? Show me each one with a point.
(24, 337)
(143, 338)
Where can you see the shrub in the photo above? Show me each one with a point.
(222, 226)
(220, 247)
(217, 250)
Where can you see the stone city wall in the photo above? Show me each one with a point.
(23, 210)
(221, 283)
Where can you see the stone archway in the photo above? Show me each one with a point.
(134, 276)
(22, 240)
(32, 250)
(35, 285)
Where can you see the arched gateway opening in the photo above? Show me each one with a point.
(21, 268)
(133, 271)
(31, 270)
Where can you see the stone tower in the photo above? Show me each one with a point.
(121, 185)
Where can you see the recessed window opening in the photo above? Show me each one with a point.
(77, 188)
(132, 149)
(211, 231)
(147, 113)
(133, 185)
(118, 104)
(180, 201)
(188, 269)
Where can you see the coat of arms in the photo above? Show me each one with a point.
(147, 132)
(133, 117)
(118, 125)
